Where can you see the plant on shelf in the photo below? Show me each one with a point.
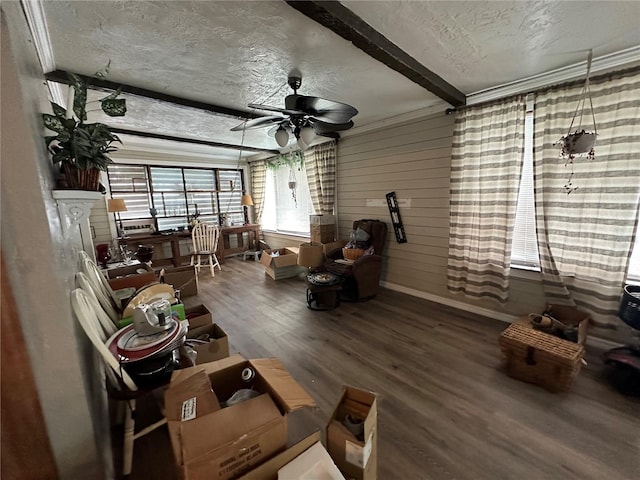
(81, 148)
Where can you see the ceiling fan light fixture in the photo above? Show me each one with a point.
(307, 134)
(282, 137)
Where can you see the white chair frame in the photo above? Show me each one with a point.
(98, 326)
(205, 237)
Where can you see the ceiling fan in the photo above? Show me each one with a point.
(303, 117)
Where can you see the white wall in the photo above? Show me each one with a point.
(41, 263)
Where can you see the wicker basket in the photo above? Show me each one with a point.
(352, 253)
(540, 358)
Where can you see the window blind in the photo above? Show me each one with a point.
(524, 248)
(281, 213)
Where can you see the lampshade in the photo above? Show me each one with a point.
(301, 145)
(246, 201)
(116, 205)
(307, 135)
(282, 137)
(310, 255)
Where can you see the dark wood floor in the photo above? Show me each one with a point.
(446, 408)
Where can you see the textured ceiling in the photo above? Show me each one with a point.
(235, 53)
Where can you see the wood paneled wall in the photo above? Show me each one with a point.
(414, 159)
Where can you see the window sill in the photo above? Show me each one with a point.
(524, 272)
(285, 234)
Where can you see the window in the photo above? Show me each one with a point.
(282, 212)
(176, 194)
(524, 247)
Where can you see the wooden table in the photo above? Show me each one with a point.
(247, 238)
(176, 259)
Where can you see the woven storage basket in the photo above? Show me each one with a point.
(352, 253)
(540, 358)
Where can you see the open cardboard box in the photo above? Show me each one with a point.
(136, 276)
(210, 441)
(568, 315)
(355, 457)
(269, 469)
(282, 265)
(181, 278)
(201, 323)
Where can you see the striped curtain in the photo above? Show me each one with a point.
(258, 177)
(486, 161)
(320, 164)
(585, 237)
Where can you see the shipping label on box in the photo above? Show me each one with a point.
(357, 455)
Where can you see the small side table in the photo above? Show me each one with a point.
(323, 290)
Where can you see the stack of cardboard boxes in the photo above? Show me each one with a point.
(212, 436)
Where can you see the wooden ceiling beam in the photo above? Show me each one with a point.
(160, 136)
(60, 76)
(336, 17)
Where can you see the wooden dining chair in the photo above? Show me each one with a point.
(98, 327)
(205, 237)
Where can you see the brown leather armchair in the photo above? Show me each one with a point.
(362, 278)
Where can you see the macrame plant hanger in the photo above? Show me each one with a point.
(580, 141)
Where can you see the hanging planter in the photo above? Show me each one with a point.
(579, 141)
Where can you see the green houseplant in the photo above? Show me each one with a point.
(82, 148)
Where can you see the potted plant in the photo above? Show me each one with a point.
(82, 148)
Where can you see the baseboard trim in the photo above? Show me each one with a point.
(595, 342)
(485, 312)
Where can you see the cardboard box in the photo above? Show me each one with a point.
(269, 469)
(570, 316)
(328, 247)
(322, 219)
(355, 457)
(322, 233)
(182, 278)
(201, 324)
(284, 265)
(315, 463)
(131, 276)
(322, 228)
(198, 315)
(210, 441)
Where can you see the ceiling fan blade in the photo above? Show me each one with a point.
(325, 110)
(257, 123)
(275, 109)
(323, 127)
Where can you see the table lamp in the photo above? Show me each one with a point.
(246, 201)
(117, 205)
(310, 255)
